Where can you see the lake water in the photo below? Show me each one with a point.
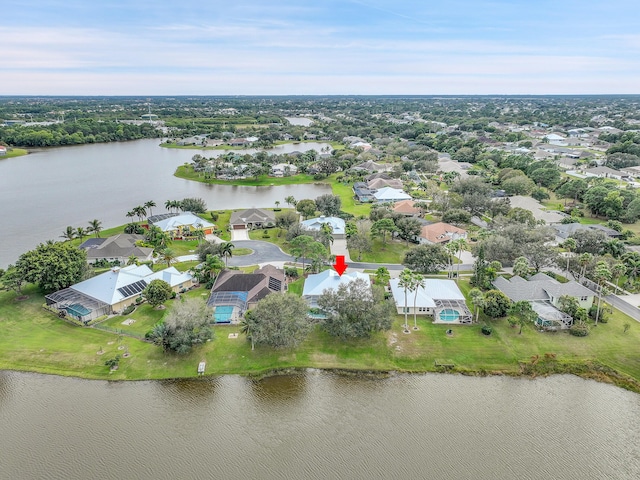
(299, 121)
(316, 426)
(45, 191)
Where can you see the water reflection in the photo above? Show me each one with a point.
(281, 390)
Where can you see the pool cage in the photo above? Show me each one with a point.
(549, 317)
(77, 305)
(236, 300)
(465, 316)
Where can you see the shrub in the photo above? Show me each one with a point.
(579, 330)
(129, 309)
(214, 216)
(487, 329)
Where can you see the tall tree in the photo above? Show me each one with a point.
(570, 246)
(602, 275)
(157, 292)
(523, 312)
(226, 250)
(149, 205)
(185, 326)
(381, 227)
(426, 259)
(290, 200)
(477, 299)
(167, 255)
(406, 283)
(355, 310)
(81, 233)
(286, 329)
(418, 283)
(53, 266)
(95, 227)
(69, 233)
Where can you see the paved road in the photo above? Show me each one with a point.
(624, 307)
(263, 252)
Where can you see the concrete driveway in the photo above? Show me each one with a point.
(239, 234)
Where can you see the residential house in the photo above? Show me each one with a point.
(363, 193)
(565, 230)
(605, 172)
(544, 292)
(441, 299)
(371, 166)
(317, 283)
(113, 291)
(388, 194)
(407, 208)
(315, 224)
(252, 218)
(378, 183)
(234, 292)
(117, 248)
(283, 170)
(440, 233)
(180, 225)
(238, 142)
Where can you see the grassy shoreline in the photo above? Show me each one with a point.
(34, 340)
(15, 152)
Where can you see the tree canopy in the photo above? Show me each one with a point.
(53, 266)
(355, 310)
(185, 326)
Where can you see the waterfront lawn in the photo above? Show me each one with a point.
(14, 152)
(349, 203)
(32, 338)
(186, 172)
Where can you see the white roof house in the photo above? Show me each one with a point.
(388, 194)
(121, 283)
(440, 298)
(316, 284)
(177, 222)
(337, 224)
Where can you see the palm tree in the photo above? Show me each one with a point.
(462, 245)
(326, 232)
(69, 233)
(290, 200)
(418, 281)
(277, 204)
(167, 255)
(149, 205)
(570, 245)
(132, 260)
(246, 328)
(95, 226)
(226, 250)
(602, 274)
(451, 249)
(168, 205)
(131, 214)
(477, 299)
(618, 270)
(585, 259)
(213, 265)
(140, 212)
(406, 282)
(81, 233)
(199, 234)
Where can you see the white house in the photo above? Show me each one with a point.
(180, 224)
(315, 224)
(388, 194)
(317, 283)
(113, 291)
(283, 170)
(440, 298)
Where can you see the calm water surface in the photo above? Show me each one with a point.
(42, 193)
(318, 425)
(300, 121)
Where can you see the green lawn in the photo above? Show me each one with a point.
(349, 204)
(186, 172)
(14, 152)
(33, 339)
(391, 252)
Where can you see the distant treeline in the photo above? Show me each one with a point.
(74, 133)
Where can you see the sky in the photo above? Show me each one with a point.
(319, 47)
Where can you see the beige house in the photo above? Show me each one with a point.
(440, 233)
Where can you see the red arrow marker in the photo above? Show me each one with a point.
(340, 266)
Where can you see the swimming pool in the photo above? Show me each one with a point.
(223, 314)
(449, 315)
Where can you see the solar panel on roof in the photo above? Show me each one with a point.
(133, 289)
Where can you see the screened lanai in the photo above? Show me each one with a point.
(77, 305)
